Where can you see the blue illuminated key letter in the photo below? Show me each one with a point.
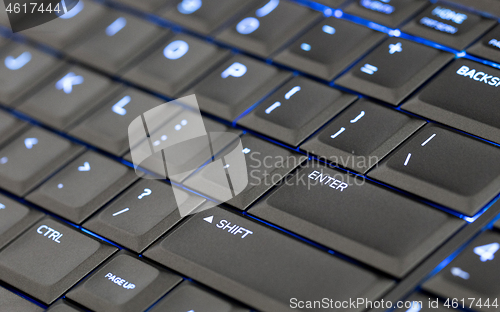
(118, 107)
(18, 62)
(176, 49)
(189, 6)
(236, 70)
(116, 26)
(247, 25)
(67, 82)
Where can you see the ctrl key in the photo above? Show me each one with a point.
(49, 258)
(124, 284)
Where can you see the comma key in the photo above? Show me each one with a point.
(49, 258)
(263, 268)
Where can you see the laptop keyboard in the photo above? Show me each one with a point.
(382, 112)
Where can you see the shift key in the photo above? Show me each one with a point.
(260, 266)
(49, 258)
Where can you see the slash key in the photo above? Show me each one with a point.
(446, 167)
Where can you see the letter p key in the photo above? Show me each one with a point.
(236, 70)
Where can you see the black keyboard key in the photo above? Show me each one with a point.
(237, 85)
(329, 47)
(190, 297)
(10, 126)
(372, 224)
(422, 303)
(145, 5)
(173, 65)
(487, 6)
(264, 267)
(107, 128)
(451, 169)
(83, 186)
(394, 70)
(268, 26)
(117, 42)
(488, 47)
(472, 277)
(332, 3)
(124, 284)
(23, 67)
(362, 135)
(497, 224)
(14, 219)
(64, 32)
(266, 165)
(205, 16)
(33, 156)
(448, 25)
(50, 258)
(183, 126)
(142, 214)
(296, 110)
(63, 306)
(388, 13)
(13, 303)
(448, 97)
(70, 95)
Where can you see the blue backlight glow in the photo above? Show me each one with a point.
(176, 49)
(116, 26)
(267, 8)
(328, 29)
(189, 6)
(247, 25)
